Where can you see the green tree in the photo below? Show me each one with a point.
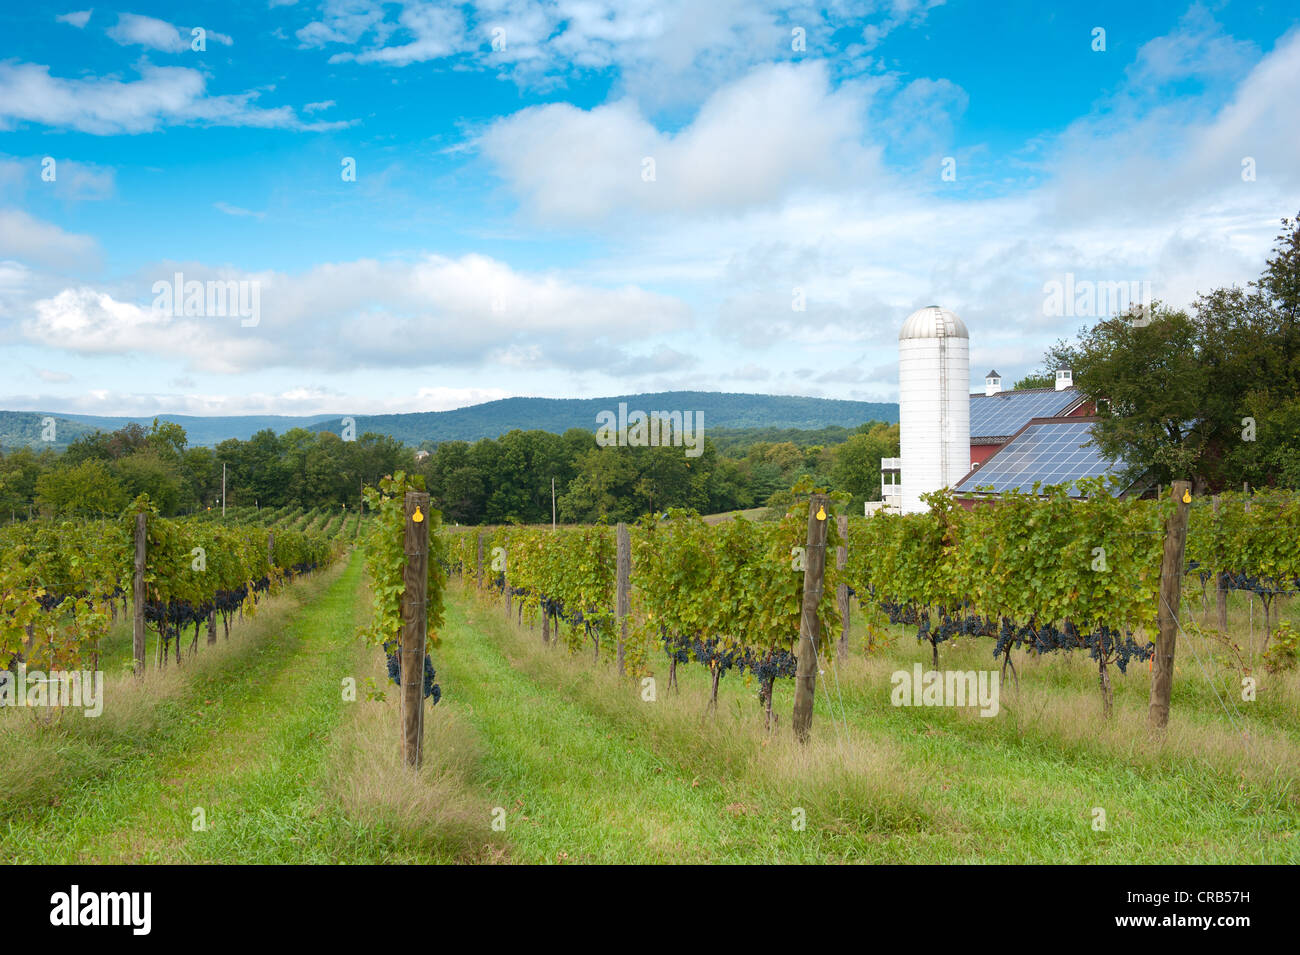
(1035, 380)
(80, 489)
(1208, 396)
(146, 472)
(857, 463)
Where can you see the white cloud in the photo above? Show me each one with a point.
(73, 180)
(435, 32)
(306, 400)
(754, 143)
(162, 96)
(230, 210)
(897, 14)
(367, 314)
(664, 52)
(29, 240)
(132, 29)
(78, 19)
(344, 21)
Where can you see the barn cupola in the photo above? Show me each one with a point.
(992, 383)
(1064, 378)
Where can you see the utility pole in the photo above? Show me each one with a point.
(552, 503)
(223, 490)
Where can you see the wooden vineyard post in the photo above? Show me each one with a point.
(505, 578)
(270, 551)
(1221, 587)
(842, 588)
(624, 591)
(1171, 575)
(805, 680)
(480, 560)
(212, 627)
(415, 579)
(138, 596)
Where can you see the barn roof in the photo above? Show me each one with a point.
(995, 418)
(1046, 451)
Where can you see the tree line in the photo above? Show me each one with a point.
(502, 480)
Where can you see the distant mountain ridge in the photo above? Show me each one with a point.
(488, 420)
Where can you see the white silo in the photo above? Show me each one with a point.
(933, 403)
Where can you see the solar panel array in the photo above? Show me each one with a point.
(1052, 453)
(1003, 414)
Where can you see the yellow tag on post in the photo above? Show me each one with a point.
(417, 516)
(1187, 496)
(821, 513)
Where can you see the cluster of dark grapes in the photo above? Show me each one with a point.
(1007, 638)
(1262, 585)
(1047, 638)
(766, 665)
(48, 601)
(900, 613)
(712, 652)
(773, 665)
(674, 647)
(556, 609)
(431, 689)
(1107, 643)
(179, 613)
(963, 625)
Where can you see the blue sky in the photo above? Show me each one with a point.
(501, 236)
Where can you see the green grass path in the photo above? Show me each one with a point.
(245, 741)
(574, 786)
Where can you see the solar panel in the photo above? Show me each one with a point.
(1003, 414)
(1051, 453)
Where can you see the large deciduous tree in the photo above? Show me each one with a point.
(1212, 395)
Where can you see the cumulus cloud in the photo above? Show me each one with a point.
(663, 52)
(1149, 156)
(434, 31)
(780, 129)
(72, 180)
(162, 96)
(309, 400)
(79, 19)
(369, 314)
(132, 29)
(30, 240)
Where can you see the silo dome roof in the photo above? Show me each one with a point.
(929, 321)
